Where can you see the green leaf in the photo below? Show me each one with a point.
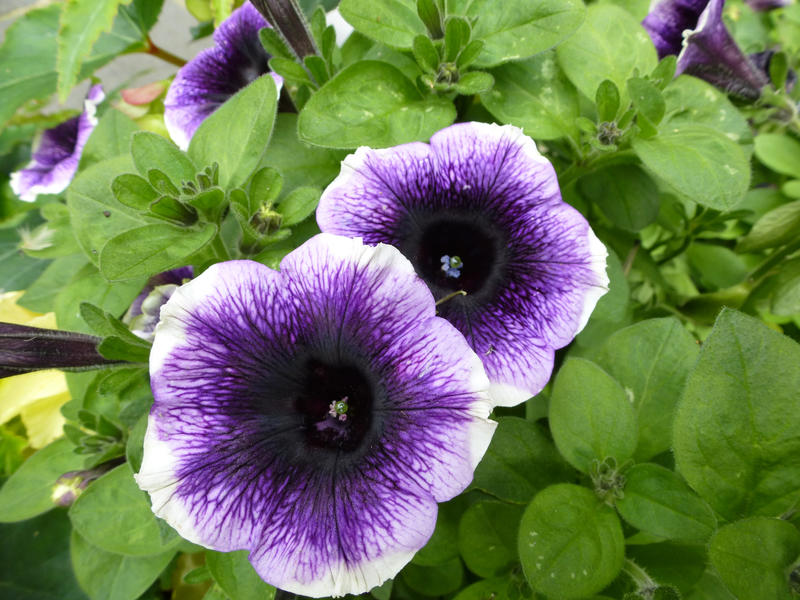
(265, 188)
(737, 430)
(612, 45)
(698, 162)
(520, 461)
(80, 26)
(91, 202)
(298, 204)
(474, 82)
(517, 30)
(434, 581)
(106, 575)
(647, 99)
(717, 267)
(442, 547)
(17, 269)
(114, 515)
(371, 103)
(657, 501)
(753, 557)
(151, 249)
(456, 36)
(611, 312)
(298, 163)
(692, 101)
(111, 137)
(786, 296)
(607, 101)
(570, 543)
(487, 537)
(29, 54)
(625, 193)
(391, 22)
(498, 588)
(777, 227)
(88, 285)
(28, 492)
(591, 416)
(247, 118)
(41, 294)
(236, 576)
(34, 560)
(779, 152)
(651, 360)
(133, 191)
(153, 152)
(425, 53)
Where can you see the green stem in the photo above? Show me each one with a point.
(642, 580)
(772, 260)
(153, 50)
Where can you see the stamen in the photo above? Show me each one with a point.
(339, 408)
(452, 265)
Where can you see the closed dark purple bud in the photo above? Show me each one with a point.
(763, 5)
(24, 349)
(710, 53)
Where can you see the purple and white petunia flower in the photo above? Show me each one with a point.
(479, 211)
(765, 5)
(710, 53)
(313, 416)
(143, 314)
(56, 157)
(203, 84)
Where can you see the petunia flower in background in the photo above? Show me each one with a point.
(479, 214)
(695, 32)
(58, 152)
(313, 416)
(203, 84)
(710, 53)
(668, 19)
(143, 314)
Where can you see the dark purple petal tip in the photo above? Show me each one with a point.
(479, 211)
(55, 158)
(313, 416)
(203, 84)
(667, 21)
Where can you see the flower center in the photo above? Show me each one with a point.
(455, 253)
(336, 405)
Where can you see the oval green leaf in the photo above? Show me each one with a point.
(753, 557)
(591, 416)
(487, 537)
(570, 543)
(737, 429)
(657, 501)
(372, 104)
(114, 515)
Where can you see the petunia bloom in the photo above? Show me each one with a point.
(203, 84)
(313, 416)
(143, 314)
(710, 53)
(56, 157)
(479, 214)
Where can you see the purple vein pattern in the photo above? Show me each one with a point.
(313, 416)
(479, 211)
